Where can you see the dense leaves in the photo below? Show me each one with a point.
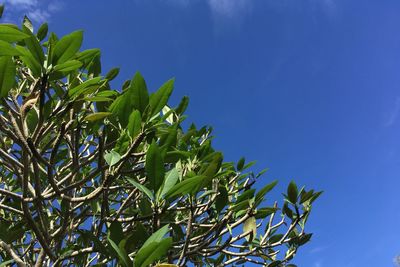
(91, 175)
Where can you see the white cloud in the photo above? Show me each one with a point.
(22, 3)
(38, 15)
(181, 3)
(230, 8)
(37, 11)
(394, 114)
(396, 260)
(317, 249)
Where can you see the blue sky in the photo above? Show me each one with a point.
(310, 89)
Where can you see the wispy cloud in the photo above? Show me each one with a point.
(317, 249)
(328, 7)
(180, 3)
(396, 260)
(37, 11)
(230, 9)
(394, 114)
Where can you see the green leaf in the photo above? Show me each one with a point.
(169, 139)
(275, 264)
(154, 251)
(248, 165)
(134, 124)
(1, 10)
(42, 31)
(154, 167)
(112, 158)
(292, 192)
(160, 98)
(112, 74)
(69, 65)
(248, 194)
(88, 56)
(261, 194)
(97, 244)
(264, 212)
(115, 232)
(29, 60)
(170, 180)
(240, 164)
(304, 196)
(304, 239)
(262, 172)
(7, 75)
(122, 255)
(6, 49)
(315, 196)
(11, 34)
(81, 88)
(34, 46)
(222, 199)
(155, 241)
(27, 23)
(182, 105)
(98, 99)
(6, 263)
(187, 186)
(250, 225)
(214, 165)
(96, 116)
(138, 90)
(141, 188)
(67, 47)
(134, 97)
(158, 235)
(10, 233)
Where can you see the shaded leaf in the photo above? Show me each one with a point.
(1, 10)
(151, 252)
(29, 60)
(134, 124)
(68, 66)
(7, 75)
(42, 31)
(250, 225)
(182, 105)
(122, 255)
(112, 74)
(292, 192)
(112, 158)
(81, 88)
(154, 167)
(141, 188)
(240, 164)
(96, 116)
(261, 194)
(222, 199)
(170, 180)
(187, 186)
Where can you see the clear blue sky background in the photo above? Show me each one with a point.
(308, 88)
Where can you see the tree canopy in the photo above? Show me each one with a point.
(91, 175)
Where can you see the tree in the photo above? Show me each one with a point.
(95, 176)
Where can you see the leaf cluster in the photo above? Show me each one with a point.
(92, 175)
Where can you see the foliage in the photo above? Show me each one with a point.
(91, 176)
